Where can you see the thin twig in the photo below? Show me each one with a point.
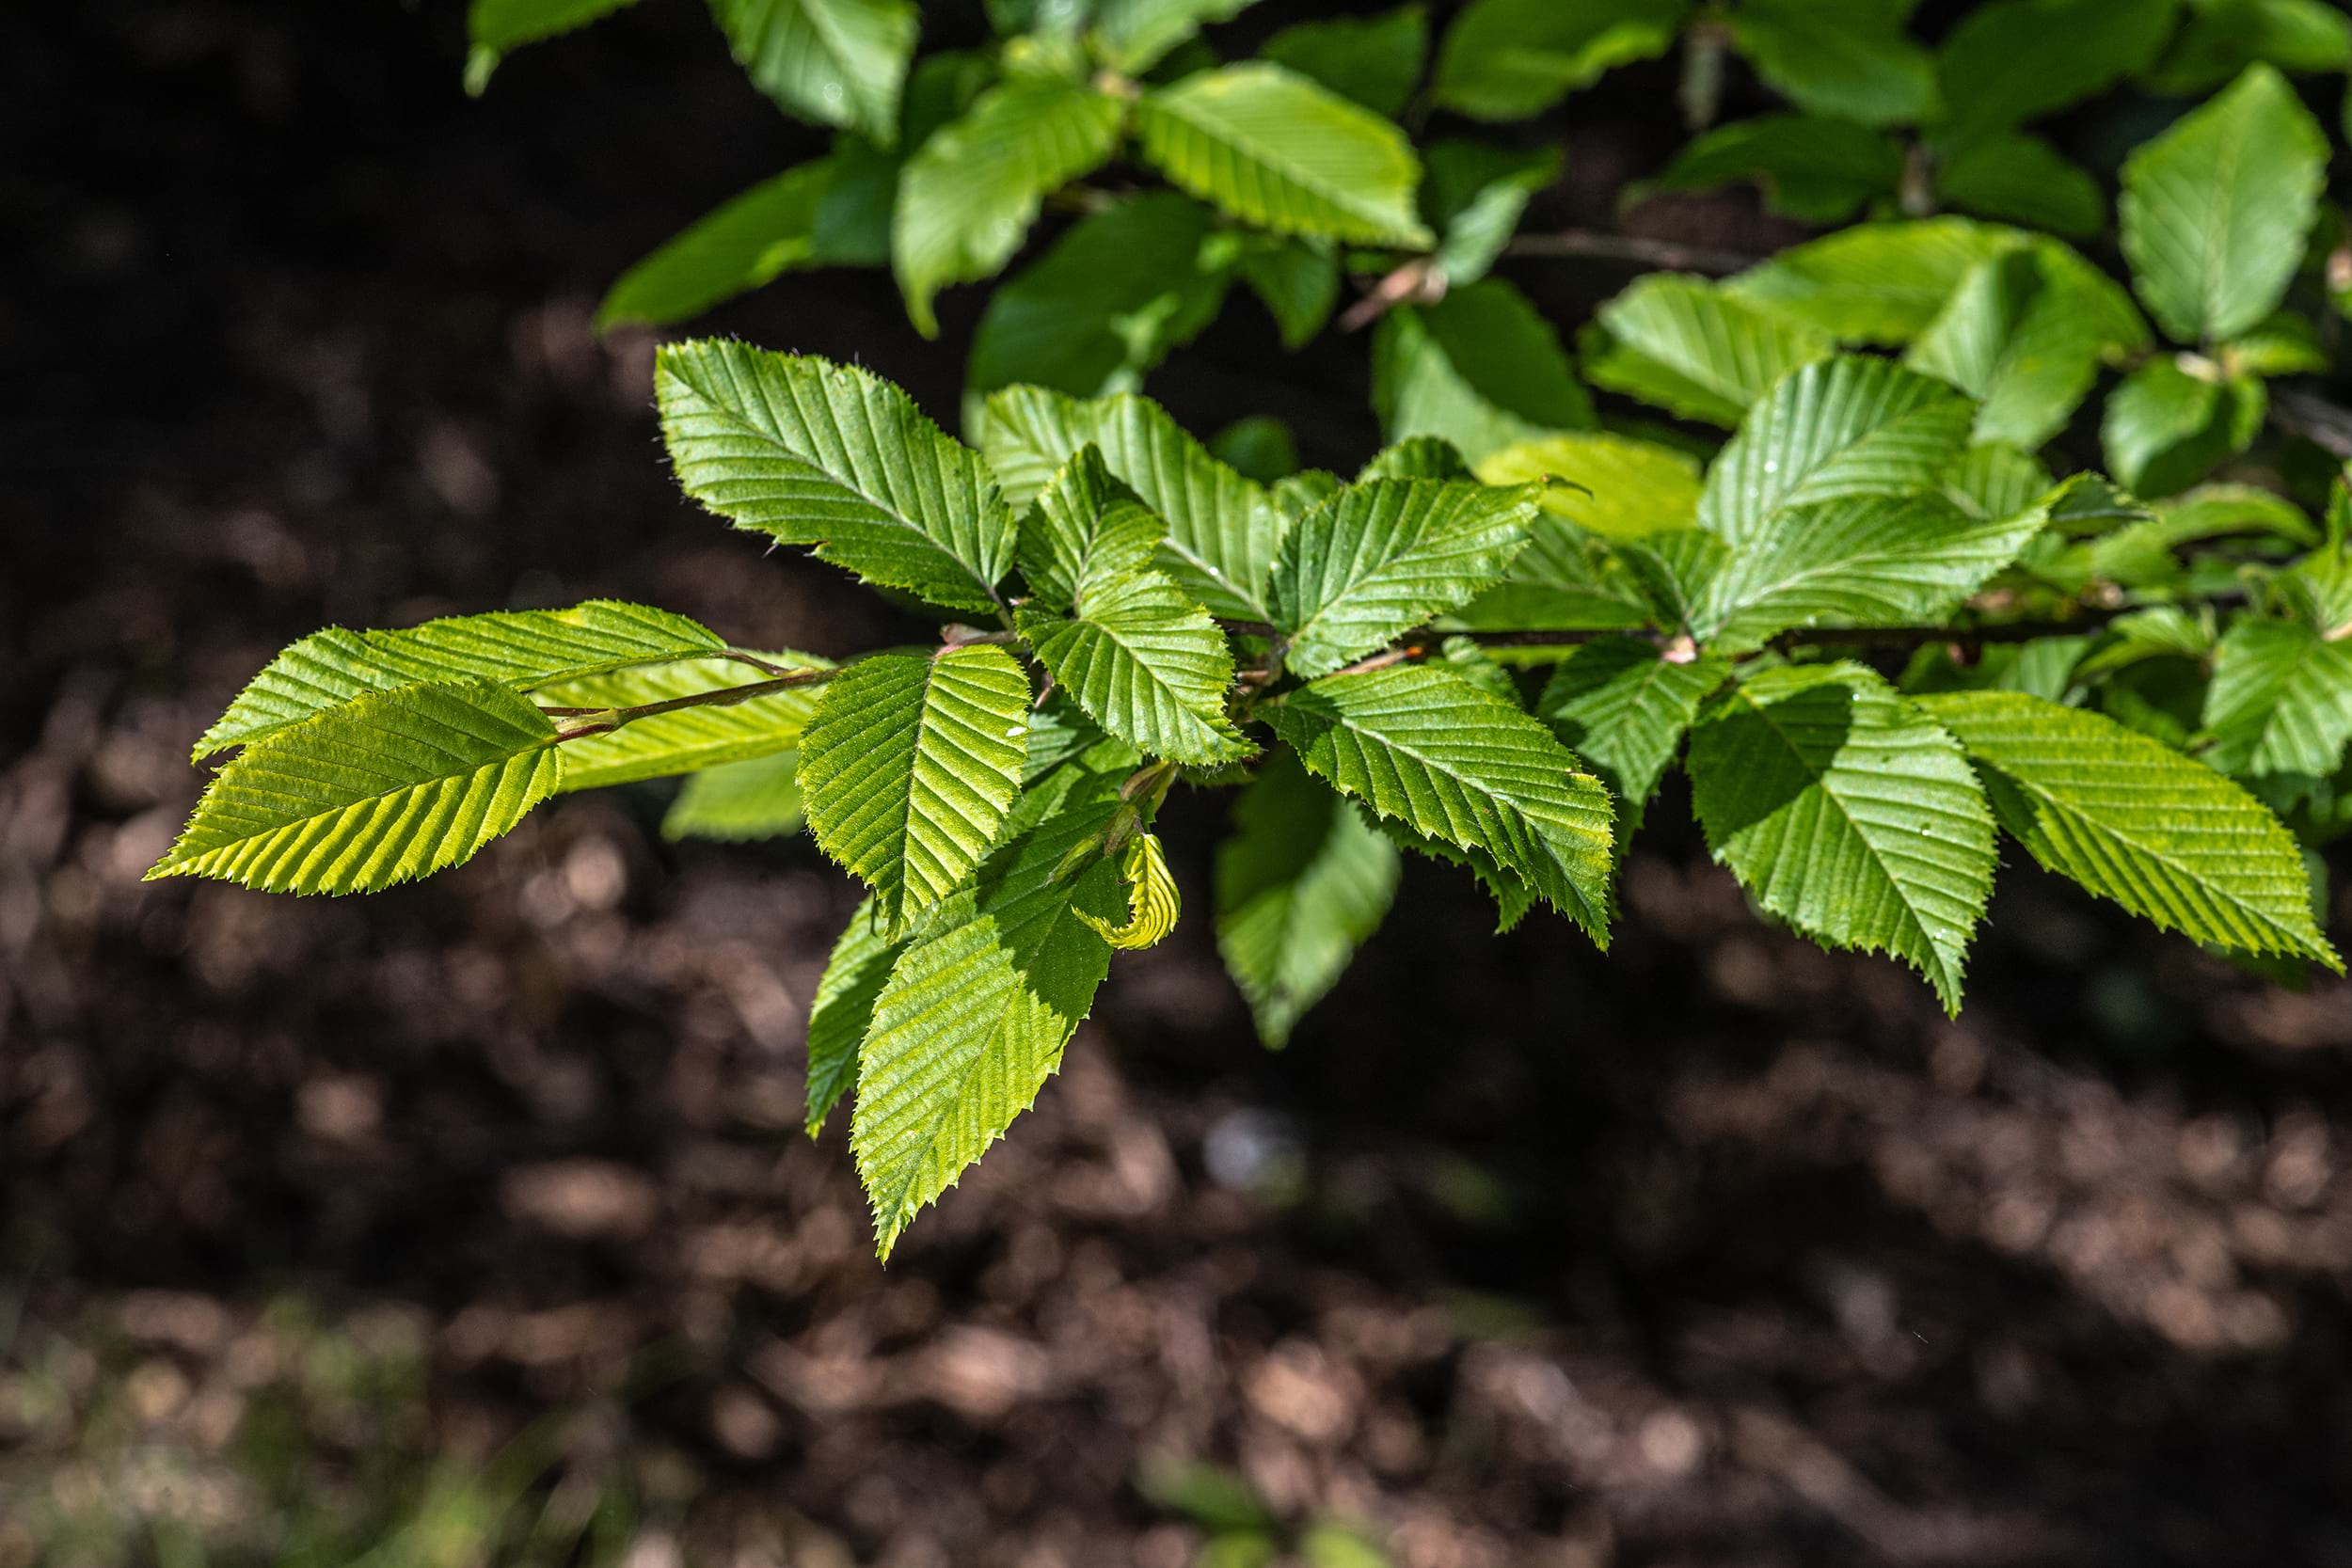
(2315, 419)
(608, 719)
(1665, 253)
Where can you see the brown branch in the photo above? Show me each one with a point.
(605, 720)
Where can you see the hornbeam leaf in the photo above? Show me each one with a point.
(1811, 168)
(1513, 59)
(910, 766)
(1840, 428)
(1693, 348)
(1845, 811)
(970, 193)
(1623, 708)
(389, 787)
(782, 223)
(2216, 210)
(843, 1009)
(690, 738)
(838, 62)
(1154, 903)
(811, 453)
(1414, 457)
(2022, 179)
(1425, 746)
(2136, 822)
(1134, 35)
(1147, 663)
(738, 803)
(1481, 368)
(1088, 528)
(1222, 529)
(1999, 67)
(1302, 884)
(978, 1010)
(1512, 896)
(1875, 282)
(1375, 60)
(497, 27)
(1270, 147)
(522, 648)
(1844, 57)
(1382, 557)
(2280, 701)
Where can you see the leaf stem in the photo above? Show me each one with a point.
(605, 720)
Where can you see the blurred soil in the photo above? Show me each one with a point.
(1718, 1250)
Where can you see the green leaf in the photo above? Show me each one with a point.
(389, 787)
(1222, 529)
(689, 740)
(1132, 36)
(2016, 60)
(1382, 557)
(1839, 428)
(2284, 344)
(1624, 708)
(1512, 896)
(1847, 812)
(976, 1012)
(1866, 561)
(1695, 349)
(1994, 481)
(1481, 368)
(970, 193)
(2216, 211)
(1373, 60)
(1295, 494)
(522, 648)
(1145, 662)
(843, 1009)
(2022, 179)
(2219, 38)
(738, 802)
(1415, 457)
(838, 62)
(1300, 885)
(1513, 59)
(2167, 426)
(909, 766)
(2280, 701)
(1812, 169)
(496, 28)
(747, 241)
(1474, 195)
(1425, 746)
(1118, 291)
(811, 453)
(1258, 446)
(1673, 572)
(1089, 529)
(1616, 487)
(2136, 822)
(1297, 281)
(1564, 580)
(1874, 283)
(1271, 149)
(2025, 334)
(1847, 59)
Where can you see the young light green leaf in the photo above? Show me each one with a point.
(1153, 903)
(1846, 812)
(1848, 58)
(1222, 529)
(2004, 63)
(1132, 36)
(2169, 840)
(2280, 701)
(1812, 169)
(2216, 210)
(1839, 428)
(1382, 557)
(1474, 194)
(687, 739)
(909, 766)
(838, 62)
(1623, 708)
(970, 193)
(1300, 885)
(1481, 368)
(1371, 60)
(976, 1011)
(1113, 297)
(1695, 349)
(811, 453)
(2021, 179)
(387, 786)
(1617, 486)
(1272, 149)
(738, 802)
(1425, 746)
(2168, 426)
(496, 28)
(522, 648)
(2025, 334)
(1513, 59)
(843, 1009)
(1875, 282)
(1145, 662)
